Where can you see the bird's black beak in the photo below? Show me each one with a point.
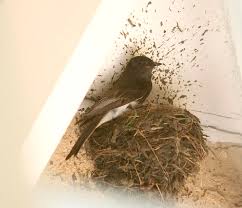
(157, 64)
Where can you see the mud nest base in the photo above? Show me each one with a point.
(151, 148)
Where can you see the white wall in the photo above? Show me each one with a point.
(43, 35)
(234, 12)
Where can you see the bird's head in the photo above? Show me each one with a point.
(142, 62)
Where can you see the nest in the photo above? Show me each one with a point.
(151, 148)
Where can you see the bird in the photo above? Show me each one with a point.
(131, 89)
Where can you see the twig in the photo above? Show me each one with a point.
(153, 153)
(140, 181)
(158, 188)
(94, 140)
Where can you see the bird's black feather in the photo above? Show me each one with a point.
(134, 84)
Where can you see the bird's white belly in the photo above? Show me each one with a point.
(114, 113)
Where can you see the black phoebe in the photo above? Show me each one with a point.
(133, 87)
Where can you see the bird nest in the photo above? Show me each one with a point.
(151, 148)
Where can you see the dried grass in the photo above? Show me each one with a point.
(151, 148)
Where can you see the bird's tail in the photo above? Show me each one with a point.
(86, 133)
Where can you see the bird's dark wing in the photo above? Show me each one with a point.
(92, 119)
(114, 99)
(86, 133)
(99, 110)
